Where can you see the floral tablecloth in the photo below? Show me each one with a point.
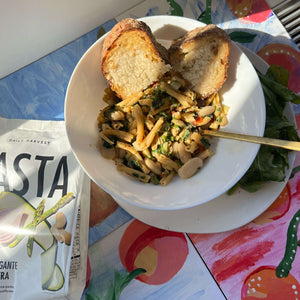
(237, 264)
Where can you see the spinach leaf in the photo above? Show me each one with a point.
(282, 91)
(270, 163)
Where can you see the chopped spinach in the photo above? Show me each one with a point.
(157, 97)
(107, 113)
(167, 137)
(205, 142)
(109, 145)
(186, 135)
(133, 164)
(154, 179)
(163, 148)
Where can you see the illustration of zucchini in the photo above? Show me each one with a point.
(38, 229)
(285, 265)
(52, 277)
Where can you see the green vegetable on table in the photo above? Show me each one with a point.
(271, 163)
(121, 280)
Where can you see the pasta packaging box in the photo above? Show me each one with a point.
(44, 211)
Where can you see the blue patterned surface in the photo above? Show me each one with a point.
(37, 91)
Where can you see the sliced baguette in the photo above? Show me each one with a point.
(132, 59)
(201, 56)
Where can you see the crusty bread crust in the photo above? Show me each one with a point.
(132, 24)
(127, 80)
(201, 56)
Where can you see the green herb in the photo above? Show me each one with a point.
(109, 145)
(219, 119)
(107, 113)
(186, 135)
(133, 164)
(270, 163)
(154, 179)
(177, 126)
(163, 149)
(157, 97)
(125, 123)
(205, 142)
(165, 116)
(167, 137)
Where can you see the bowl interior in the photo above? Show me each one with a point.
(242, 92)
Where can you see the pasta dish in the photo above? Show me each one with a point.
(155, 134)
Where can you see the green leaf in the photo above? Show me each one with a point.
(279, 74)
(205, 17)
(294, 171)
(282, 91)
(100, 32)
(242, 36)
(120, 282)
(271, 163)
(176, 8)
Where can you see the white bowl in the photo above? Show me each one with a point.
(242, 92)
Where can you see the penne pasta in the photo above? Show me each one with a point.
(138, 175)
(130, 149)
(155, 134)
(123, 135)
(182, 99)
(130, 100)
(139, 118)
(140, 146)
(167, 162)
(167, 179)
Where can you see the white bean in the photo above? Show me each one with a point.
(117, 115)
(155, 167)
(206, 110)
(190, 167)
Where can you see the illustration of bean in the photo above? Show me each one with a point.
(285, 265)
(40, 218)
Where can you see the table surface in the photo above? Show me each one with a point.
(228, 265)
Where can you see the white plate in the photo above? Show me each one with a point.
(242, 92)
(225, 212)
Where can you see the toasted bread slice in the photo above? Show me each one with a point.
(201, 56)
(132, 59)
